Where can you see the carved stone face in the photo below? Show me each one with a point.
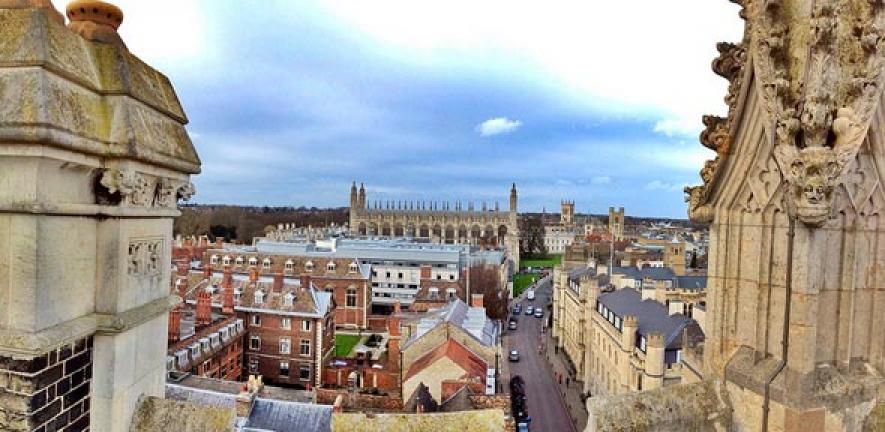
(816, 170)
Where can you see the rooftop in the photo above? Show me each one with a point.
(652, 316)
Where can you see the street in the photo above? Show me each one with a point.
(544, 402)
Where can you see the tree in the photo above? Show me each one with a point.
(531, 240)
(486, 280)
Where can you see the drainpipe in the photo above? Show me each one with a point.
(785, 341)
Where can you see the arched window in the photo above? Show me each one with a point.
(259, 297)
(350, 300)
(308, 266)
(330, 266)
(213, 260)
(266, 263)
(239, 261)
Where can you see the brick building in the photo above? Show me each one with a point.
(289, 322)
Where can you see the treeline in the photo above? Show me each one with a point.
(242, 223)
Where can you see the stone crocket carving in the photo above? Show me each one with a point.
(813, 172)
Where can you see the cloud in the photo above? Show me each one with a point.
(678, 127)
(601, 180)
(498, 126)
(656, 185)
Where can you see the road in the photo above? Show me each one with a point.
(545, 404)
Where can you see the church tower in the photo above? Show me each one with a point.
(616, 223)
(513, 198)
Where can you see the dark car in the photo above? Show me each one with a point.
(517, 309)
(514, 356)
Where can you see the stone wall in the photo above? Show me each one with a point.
(48, 392)
(360, 401)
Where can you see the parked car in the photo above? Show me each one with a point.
(514, 356)
(539, 313)
(517, 309)
(529, 311)
(512, 325)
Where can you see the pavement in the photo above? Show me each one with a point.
(547, 401)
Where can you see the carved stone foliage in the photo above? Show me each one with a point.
(141, 190)
(145, 257)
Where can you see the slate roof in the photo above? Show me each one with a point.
(651, 315)
(691, 282)
(460, 401)
(663, 273)
(472, 320)
(308, 302)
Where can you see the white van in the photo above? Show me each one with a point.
(530, 294)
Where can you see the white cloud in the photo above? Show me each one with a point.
(679, 126)
(601, 180)
(663, 186)
(498, 126)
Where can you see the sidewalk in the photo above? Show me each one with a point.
(571, 394)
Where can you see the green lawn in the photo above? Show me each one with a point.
(344, 343)
(522, 281)
(550, 261)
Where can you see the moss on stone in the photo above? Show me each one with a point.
(160, 415)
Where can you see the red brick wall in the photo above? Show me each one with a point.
(378, 322)
(334, 377)
(268, 357)
(347, 316)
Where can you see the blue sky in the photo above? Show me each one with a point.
(290, 101)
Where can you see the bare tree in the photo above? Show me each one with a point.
(486, 280)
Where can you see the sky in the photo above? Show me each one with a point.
(290, 101)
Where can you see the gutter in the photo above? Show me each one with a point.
(785, 341)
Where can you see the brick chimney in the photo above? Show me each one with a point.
(305, 281)
(227, 286)
(207, 271)
(277, 282)
(204, 308)
(182, 267)
(246, 398)
(425, 272)
(174, 324)
(253, 274)
(476, 300)
(393, 329)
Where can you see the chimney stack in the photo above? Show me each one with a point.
(253, 274)
(476, 300)
(207, 271)
(182, 267)
(305, 281)
(277, 282)
(227, 285)
(393, 330)
(174, 323)
(204, 308)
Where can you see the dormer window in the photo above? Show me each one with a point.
(266, 263)
(238, 294)
(354, 267)
(259, 297)
(226, 260)
(290, 265)
(240, 261)
(308, 266)
(253, 262)
(288, 299)
(213, 260)
(330, 266)
(450, 293)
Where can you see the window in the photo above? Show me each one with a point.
(253, 366)
(284, 369)
(256, 320)
(305, 325)
(286, 323)
(290, 265)
(387, 274)
(288, 299)
(255, 343)
(399, 275)
(305, 347)
(438, 276)
(213, 260)
(451, 277)
(304, 372)
(226, 260)
(308, 266)
(253, 261)
(266, 263)
(330, 266)
(259, 297)
(351, 297)
(353, 267)
(450, 293)
(285, 346)
(239, 261)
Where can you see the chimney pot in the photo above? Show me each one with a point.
(95, 20)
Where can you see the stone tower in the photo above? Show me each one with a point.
(354, 205)
(674, 256)
(94, 159)
(616, 223)
(567, 212)
(794, 198)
